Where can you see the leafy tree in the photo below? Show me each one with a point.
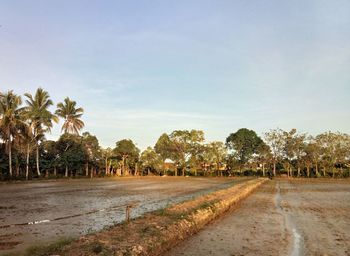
(50, 156)
(71, 152)
(126, 149)
(244, 143)
(275, 140)
(92, 150)
(107, 155)
(184, 144)
(39, 117)
(216, 154)
(71, 115)
(164, 147)
(263, 156)
(294, 150)
(151, 161)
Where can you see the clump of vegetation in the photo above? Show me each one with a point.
(50, 249)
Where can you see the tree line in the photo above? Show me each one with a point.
(25, 152)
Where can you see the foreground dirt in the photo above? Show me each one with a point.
(254, 228)
(158, 231)
(320, 212)
(76, 207)
(282, 217)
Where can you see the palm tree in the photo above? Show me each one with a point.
(71, 115)
(10, 120)
(40, 118)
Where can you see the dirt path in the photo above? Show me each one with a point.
(320, 212)
(255, 228)
(283, 217)
(76, 207)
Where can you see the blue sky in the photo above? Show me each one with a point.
(141, 68)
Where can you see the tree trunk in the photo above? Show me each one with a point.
(324, 171)
(333, 172)
(136, 169)
(298, 171)
(290, 172)
(87, 169)
(17, 168)
(274, 168)
(37, 160)
(66, 174)
(123, 165)
(55, 171)
(106, 166)
(27, 163)
(91, 172)
(308, 170)
(263, 169)
(10, 158)
(316, 169)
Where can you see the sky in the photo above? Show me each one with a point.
(142, 68)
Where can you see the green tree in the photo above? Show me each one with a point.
(127, 151)
(151, 161)
(50, 156)
(92, 151)
(263, 156)
(71, 152)
(39, 117)
(216, 155)
(275, 140)
(184, 144)
(294, 150)
(164, 148)
(244, 143)
(71, 115)
(107, 155)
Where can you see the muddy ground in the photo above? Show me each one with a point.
(283, 217)
(72, 208)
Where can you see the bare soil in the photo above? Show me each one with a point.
(283, 217)
(71, 208)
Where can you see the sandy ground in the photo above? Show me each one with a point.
(76, 207)
(281, 218)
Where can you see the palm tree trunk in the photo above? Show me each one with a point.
(37, 160)
(10, 158)
(27, 163)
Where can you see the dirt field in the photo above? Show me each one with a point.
(281, 218)
(71, 208)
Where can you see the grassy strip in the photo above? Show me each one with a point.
(155, 232)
